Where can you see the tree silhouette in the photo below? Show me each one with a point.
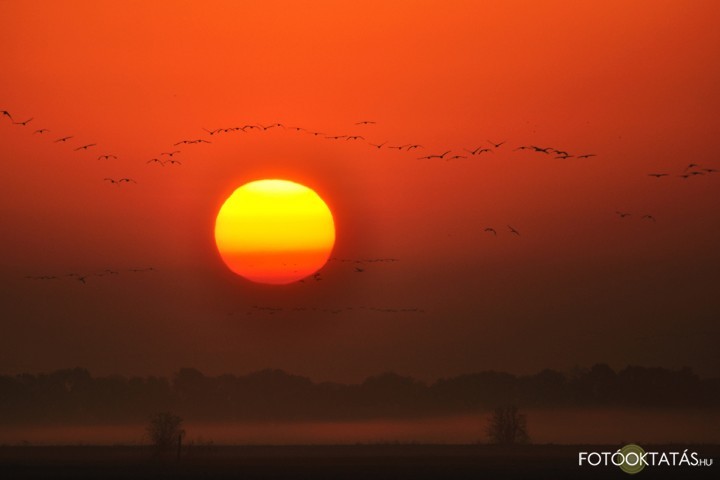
(507, 426)
(165, 431)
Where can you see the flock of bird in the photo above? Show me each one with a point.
(167, 158)
(83, 277)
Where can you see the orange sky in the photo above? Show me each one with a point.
(633, 82)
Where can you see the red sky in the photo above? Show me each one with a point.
(633, 82)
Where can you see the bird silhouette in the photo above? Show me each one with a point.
(366, 122)
(212, 132)
(315, 134)
(107, 157)
(23, 123)
(587, 155)
(472, 152)
(497, 145)
(85, 147)
(359, 270)
(119, 181)
(399, 147)
(478, 151)
(156, 160)
(415, 145)
(434, 156)
(657, 175)
(41, 131)
(513, 231)
(268, 127)
(170, 154)
(648, 217)
(63, 139)
(336, 137)
(545, 150)
(5, 113)
(455, 157)
(174, 162)
(710, 170)
(691, 165)
(491, 230)
(377, 145)
(189, 142)
(623, 214)
(355, 137)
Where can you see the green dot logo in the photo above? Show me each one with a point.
(632, 458)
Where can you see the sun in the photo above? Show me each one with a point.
(274, 231)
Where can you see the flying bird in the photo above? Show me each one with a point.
(174, 162)
(472, 152)
(415, 145)
(455, 157)
(156, 160)
(513, 231)
(63, 139)
(336, 137)
(199, 140)
(435, 156)
(545, 150)
(587, 155)
(648, 217)
(170, 154)
(107, 157)
(5, 113)
(23, 123)
(212, 132)
(41, 131)
(497, 145)
(366, 122)
(270, 126)
(377, 145)
(85, 147)
(491, 230)
(623, 214)
(355, 137)
(657, 175)
(359, 270)
(119, 181)
(399, 147)
(691, 165)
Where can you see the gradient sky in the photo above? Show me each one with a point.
(633, 82)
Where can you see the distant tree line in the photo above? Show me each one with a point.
(74, 396)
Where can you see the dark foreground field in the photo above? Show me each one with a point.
(371, 462)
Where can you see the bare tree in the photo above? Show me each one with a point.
(165, 431)
(507, 426)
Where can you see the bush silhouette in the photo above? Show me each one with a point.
(165, 431)
(507, 426)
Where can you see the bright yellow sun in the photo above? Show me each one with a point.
(274, 231)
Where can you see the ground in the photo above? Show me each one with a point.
(329, 462)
